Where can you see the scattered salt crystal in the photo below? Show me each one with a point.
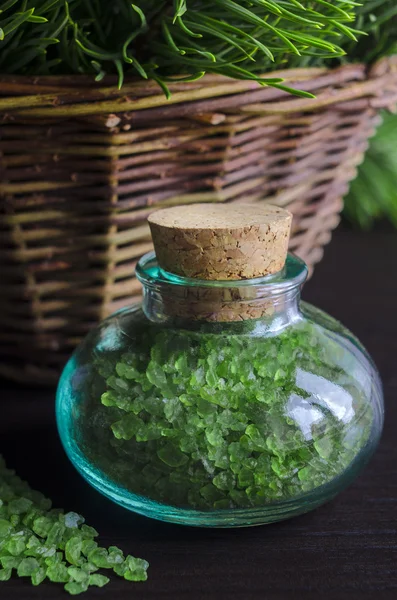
(73, 520)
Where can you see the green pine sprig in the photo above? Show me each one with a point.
(160, 39)
(378, 20)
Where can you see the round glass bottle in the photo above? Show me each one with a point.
(220, 403)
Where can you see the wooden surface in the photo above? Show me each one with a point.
(346, 549)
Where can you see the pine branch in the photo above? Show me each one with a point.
(159, 39)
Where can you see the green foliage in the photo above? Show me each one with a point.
(213, 421)
(159, 39)
(373, 194)
(42, 543)
(378, 19)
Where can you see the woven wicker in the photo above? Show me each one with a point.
(82, 166)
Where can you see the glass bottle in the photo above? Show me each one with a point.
(220, 403)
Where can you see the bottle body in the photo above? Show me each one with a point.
(220, 424)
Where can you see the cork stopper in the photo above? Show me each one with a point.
(221, 242)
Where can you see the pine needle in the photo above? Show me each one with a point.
(241, 38)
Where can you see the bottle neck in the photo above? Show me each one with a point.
(272, 301)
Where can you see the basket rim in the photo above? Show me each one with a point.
(34, 98)
(87, 80)
(289, 74)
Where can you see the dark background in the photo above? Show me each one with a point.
(345, 549)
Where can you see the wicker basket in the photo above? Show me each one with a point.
(82, 166)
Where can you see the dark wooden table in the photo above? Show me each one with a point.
(346, 549)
